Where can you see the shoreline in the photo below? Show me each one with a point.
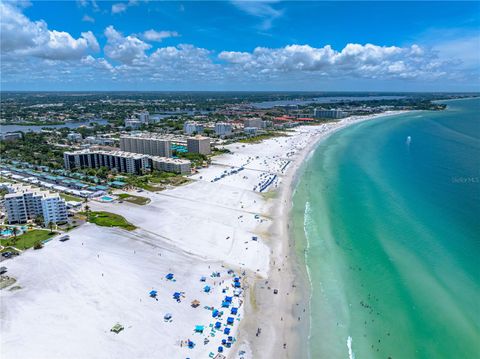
(192, 230)
(292, 279)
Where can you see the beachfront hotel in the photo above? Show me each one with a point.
(126, 162)
(175, 165)
(321, 113)
(28, 203)
(146, 145)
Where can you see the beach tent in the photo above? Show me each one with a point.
(190, 344)
(226, 331)
(225, 304)
(169, 276)
(195, 303)
(228, 299)
(153, 293)
(214, 313)
(203, 279)
(220, 349)
(230, 321)
(236, 279)
(199, 328)
(234, 311)
(167, 317)
(218, 325)
(206, 289)
(236, 284)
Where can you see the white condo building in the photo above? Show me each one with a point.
(29, 203)
(126, 162)
(223, 129)
(146, 145)
(255, 122)
(189, 128)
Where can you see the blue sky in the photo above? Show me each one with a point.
(240, 45)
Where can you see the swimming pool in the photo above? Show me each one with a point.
(107, 198)
(8, 231)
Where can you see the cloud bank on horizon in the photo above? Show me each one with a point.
(36, 55)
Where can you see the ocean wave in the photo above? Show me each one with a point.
(351, 354)
(307, 222)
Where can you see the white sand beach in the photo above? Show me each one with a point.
(73, 292)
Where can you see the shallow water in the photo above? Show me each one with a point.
(390, 232)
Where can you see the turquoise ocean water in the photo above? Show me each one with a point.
(390, 233)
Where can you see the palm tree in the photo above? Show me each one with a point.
(87, 211)
(50, 225)
(15, 232)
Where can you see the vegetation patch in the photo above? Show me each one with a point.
(263, 136)
(70, 198)
(141, 201)
(28, 239)
(157, 181)
(107, 219)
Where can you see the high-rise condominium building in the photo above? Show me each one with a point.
(146, 145)
(199, 144)
(29, 204)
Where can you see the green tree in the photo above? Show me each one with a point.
(50, 225)
(15, 232)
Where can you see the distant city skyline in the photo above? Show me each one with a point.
(89, 45)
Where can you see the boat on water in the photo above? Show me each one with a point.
(409, 140)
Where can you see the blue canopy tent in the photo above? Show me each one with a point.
(225, 304)
(228, 299)
(220, 349)
(236, 279)
(226, 331)
(234, 311)
(199, 328)
(153, 293)
(169, 276)
(215, 313)
(218, 325)
(237, 284)
(190, 344)
(230, 321)
(206, 289)
(176, 296)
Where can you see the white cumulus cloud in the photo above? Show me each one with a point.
(153, 35)
(367, 61)
(21, 36)
(125, 49)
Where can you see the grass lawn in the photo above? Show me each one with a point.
(134, 199)
(107, 219)
(68, 197)
(28, 239)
